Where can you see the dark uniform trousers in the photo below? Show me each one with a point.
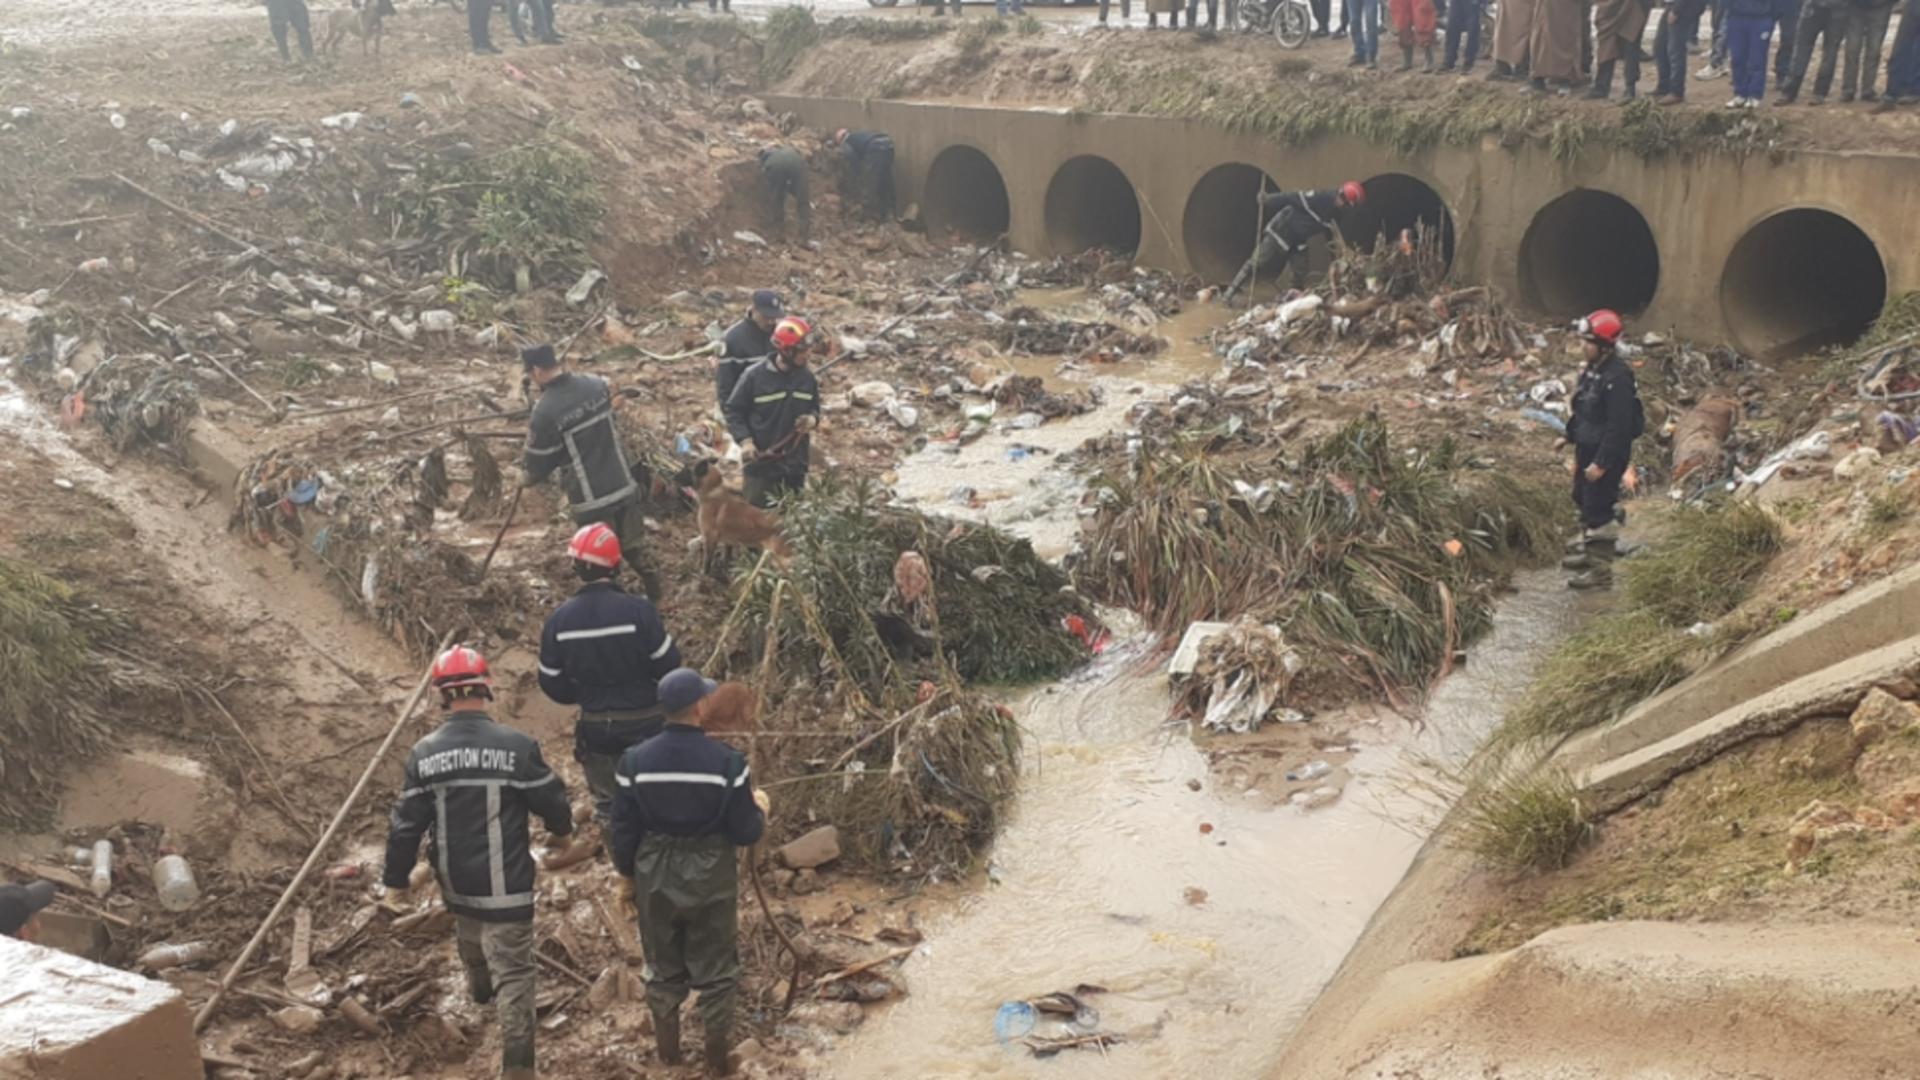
(284, 15)
(688, 891)
(500, 954)
(1595, 498)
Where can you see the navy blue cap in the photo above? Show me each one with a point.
(682, 689)
(538, 356)
(767, 302)
(19, 903)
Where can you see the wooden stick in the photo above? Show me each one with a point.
(512, 509)
(512, 414)
(562, 968)
(866, 965)
(158, 303)
(198, 219)
(753, 751)
(228, 372)
(313, 857)
(384, 402)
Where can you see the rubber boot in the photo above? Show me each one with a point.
(666, 1036)
(1600, 576)
(1239, 279)
(518, 1074)
(480, 985)
(1593, 551)
(1602, 82)
(1406, 61)
(1429, 68)
(719, 1042)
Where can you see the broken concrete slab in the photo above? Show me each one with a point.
(1879, 715)
(65, 1018)
(1838, 689)
(817, 848)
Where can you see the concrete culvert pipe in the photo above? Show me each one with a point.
(965, 194)
(1091, 203)
(1396, 201)
(1588, 249)
(1221, 217)
(1802, 278)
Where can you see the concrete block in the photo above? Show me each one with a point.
(817, 848)
(65, 1018)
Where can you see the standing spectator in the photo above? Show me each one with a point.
(1513, 39)
(1866, 32)
(938, 9)
(1001, 8)
(1749, 24)
(1322, 14)
(1365, 28)
(1413, 22)
(1717, 52)
(1126, 10)
(284, 15)
(1170, 7)
(1555, 48)
(1678, 20)
(1618, 26)
(479, 27)
(1825, 20)
(1783, 50)
(1193, 13)
(1903, 61)
(1463, 18)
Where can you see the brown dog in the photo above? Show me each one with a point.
(366, 20)
(727, 518)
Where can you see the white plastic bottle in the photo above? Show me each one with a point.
(102, 882)
(173, 880)
(161, 957)
(1313, 770)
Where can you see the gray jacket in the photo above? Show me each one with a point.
(572, 428)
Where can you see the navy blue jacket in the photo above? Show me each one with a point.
(1297, 216)
(861, 143)
(683, 784)
(767, 403)
(744, 345)
(606, 650)
(1606, 409)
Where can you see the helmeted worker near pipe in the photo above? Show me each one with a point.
(685, 802)
(1607, 417)
(473, 784)
(605, 651)
(1294, 218)
(771, 412)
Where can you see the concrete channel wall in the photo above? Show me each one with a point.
(1768, 253)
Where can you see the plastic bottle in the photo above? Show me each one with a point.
(173, 880)
(102, 882)
(1312, 770)
(80, 858)
(161, 957)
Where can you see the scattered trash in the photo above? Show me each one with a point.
(748, 237)
(815, 848)
(1239, 675)
(905, 415)
(409, 100)
(119, 122)
(1312, 770)
(870, 395)
(162, 957)
(582, 288)
(439, 321)
(101, 880)
(1856, 463)
(1546, 419)
(173, 880)
(1194, 895)
(345, 121)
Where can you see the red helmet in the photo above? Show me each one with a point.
(596, 545)
(1353, 193)
(461, 667)
(791, 331)
(1603, 327)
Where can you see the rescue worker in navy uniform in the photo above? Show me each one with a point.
(473, 784)
(605, 650)
(1294, 218)
(868, 164)
(771, 411)
(285, 15)
(572, 429)
(685, 802)
(1607, 417)
(783, 172)
(747, 342)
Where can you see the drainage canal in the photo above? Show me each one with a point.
(1588, 249)
(1220, 220)
(1091, 204)
(965, 194)
(1396, 201)
(1802, 278)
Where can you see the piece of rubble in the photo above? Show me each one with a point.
(869, 395)
(840, 1017)
(65, 1018)
(1880, 714)
(298, 1019)
(817, 848)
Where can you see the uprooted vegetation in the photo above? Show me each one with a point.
(514, 219)
(1378, 563)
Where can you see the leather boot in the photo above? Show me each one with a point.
(666, 1036)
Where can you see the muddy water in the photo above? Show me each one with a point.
(1095, 867)
(1016, 478)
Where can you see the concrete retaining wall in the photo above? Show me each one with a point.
(1797, 279)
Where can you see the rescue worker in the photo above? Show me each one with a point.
(784, 172)
(1294, 218)
(747, 342)
(868, 162)
(474, 783)
(1607, 417)
(605, 650)
(772, 409)
(572, 428)
(685, 801)
(285, 15)
(480, 26)
(20, 908)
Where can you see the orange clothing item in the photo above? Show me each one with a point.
(1413, 21)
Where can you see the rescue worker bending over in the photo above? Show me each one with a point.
(571, 431)
(783, 172)
(747, 342)
(867, 164)
(771, 411)
(1607, 417)
(684, 803)
(605, 651)
(473, 784)
(1294, 218)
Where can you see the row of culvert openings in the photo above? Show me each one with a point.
(1800, 278)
